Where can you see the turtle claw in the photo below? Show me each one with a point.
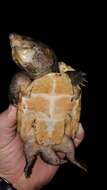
(77, 77)
(28, 167)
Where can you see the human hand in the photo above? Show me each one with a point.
(12, 158)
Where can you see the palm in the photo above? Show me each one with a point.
(13, 158)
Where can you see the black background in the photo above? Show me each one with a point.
(74, 42)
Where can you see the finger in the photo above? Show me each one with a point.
(8, 117)
(45, 171)
(79, 136)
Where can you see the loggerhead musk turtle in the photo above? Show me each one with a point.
(48, 98)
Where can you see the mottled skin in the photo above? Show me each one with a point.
(37, 60)
(34, 57)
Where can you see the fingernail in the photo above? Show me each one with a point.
(80, 125)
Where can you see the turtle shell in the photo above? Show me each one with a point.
(49, 108)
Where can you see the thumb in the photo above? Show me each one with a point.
(8, 118)
(79, 136)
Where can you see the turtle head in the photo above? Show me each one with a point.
(18, 41)
(32, 56)
(22, 50)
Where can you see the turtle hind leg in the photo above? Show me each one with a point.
(51, 157)
(71, 155)
(31, 152)
(29, 165)
(67, 146)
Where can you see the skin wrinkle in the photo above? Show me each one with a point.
(9, 135)
(9, 132)
(8, 117)
(8, 153)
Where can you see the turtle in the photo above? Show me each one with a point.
(47, 94)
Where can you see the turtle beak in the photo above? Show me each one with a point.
(11, 38)
(15, 40)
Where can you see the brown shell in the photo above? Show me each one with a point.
(49, 109)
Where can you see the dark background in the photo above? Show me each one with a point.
(76, 45)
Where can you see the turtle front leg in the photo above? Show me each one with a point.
(18, 85)
(77, 77)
